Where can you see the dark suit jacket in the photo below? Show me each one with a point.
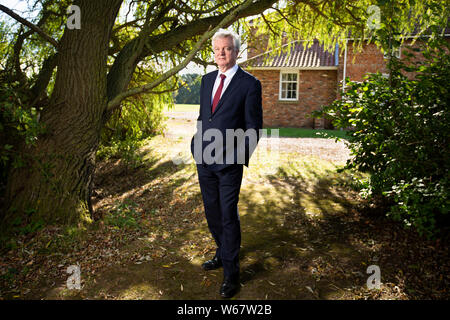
(239, 107)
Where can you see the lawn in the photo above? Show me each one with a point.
(309, 133)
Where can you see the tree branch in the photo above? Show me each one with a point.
(161, 42)
(115, 102)
(187, 9)
(268, 23)
(19, 74)
(284, 17)
(126, 24)
(183, 52)
(126, 61)
(29, 25)
(21, 37)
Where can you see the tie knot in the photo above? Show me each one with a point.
(222, 76)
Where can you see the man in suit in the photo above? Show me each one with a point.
(230, 102)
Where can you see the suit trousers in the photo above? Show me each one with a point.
(220, 193)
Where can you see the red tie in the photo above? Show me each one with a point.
(218, 93)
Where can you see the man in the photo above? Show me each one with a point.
(230, 100)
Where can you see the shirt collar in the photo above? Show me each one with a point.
(230, 72)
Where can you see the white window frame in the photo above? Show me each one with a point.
(280, 97)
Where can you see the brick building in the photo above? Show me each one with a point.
(297, 82)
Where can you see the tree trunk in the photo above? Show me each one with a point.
(54, 184)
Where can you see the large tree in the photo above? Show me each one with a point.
(85, 74)
(55, 182)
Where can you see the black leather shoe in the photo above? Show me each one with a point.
(212, 264)
(229, 287)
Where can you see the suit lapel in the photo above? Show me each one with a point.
(231, 86)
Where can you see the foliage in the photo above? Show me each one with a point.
(333, 22)
(129, 127)
(18, 125)
(401, 135)
(139, 118)
(127, 150)
(20, 225)
(124, 215)
(189, 91)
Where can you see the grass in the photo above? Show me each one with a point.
(309, 133)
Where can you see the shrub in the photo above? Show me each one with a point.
(400, 131)
(127, 150)
(130, 126)
(19, 124)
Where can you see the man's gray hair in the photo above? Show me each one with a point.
(223, 33)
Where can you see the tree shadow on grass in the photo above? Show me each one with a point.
(306, 254)
(348, 235)
(115, 180)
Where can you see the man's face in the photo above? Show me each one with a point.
(225, 54)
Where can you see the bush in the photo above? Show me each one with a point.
(130, 126)
(124, 215)
(19, 124)
(136, 119)
(127, 150)
(400, 131)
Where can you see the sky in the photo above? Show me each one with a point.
(20, 7)
(17, 5)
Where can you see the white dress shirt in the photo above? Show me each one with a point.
(229, 75)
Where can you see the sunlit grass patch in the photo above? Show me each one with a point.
(280, 164)
(309, 133)
(182, 108)
(288, 182)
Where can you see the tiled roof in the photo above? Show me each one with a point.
(313, 57)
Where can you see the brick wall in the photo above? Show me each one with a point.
(371, 60)
(316, 88)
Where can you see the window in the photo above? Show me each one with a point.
(289, 86)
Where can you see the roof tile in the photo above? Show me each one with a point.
(313, 57)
